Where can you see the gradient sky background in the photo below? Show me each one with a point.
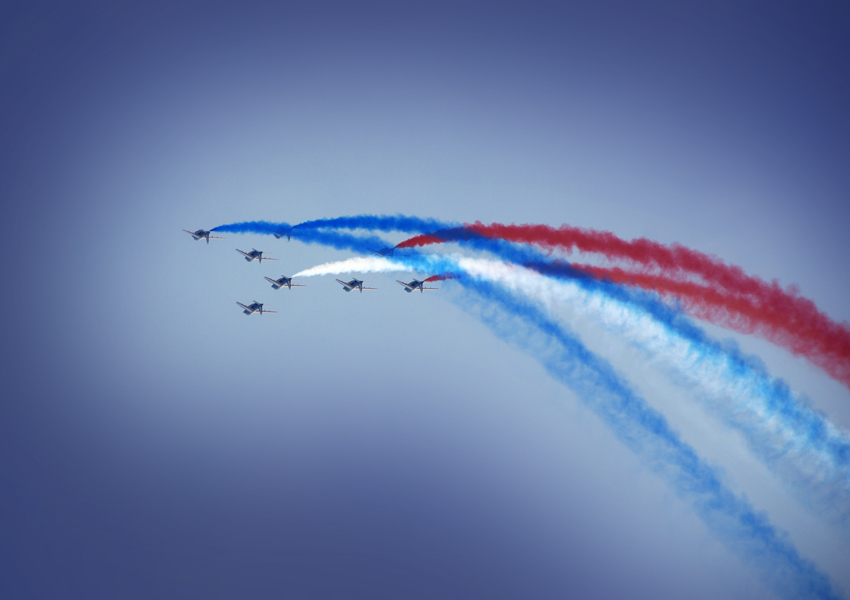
(154, 442)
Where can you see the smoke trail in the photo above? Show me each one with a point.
(379, 264)
(799, 444)
(749, 400)
(262, 227)
(333, 239)
(782, 317)
(401, 223)
(738, 312)
(641, 428)
(640, 251)
(646, 432)
(729, 517)
(796, 441)
(455, 234)
(806, 330)
(442, 277)
(368, 264)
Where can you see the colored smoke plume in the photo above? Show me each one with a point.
(728, 296)
(442, 277)
(769, 320)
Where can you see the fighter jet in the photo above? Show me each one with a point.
(415, 285)
(202, 233)
(383, 251)
(354, 284)
(254, 307)
(258, 254)
(279, 233)
(283, 282)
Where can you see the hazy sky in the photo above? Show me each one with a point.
(155, 442)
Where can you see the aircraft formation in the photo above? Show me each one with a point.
(284, 281)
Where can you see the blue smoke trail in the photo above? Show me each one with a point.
(646, 432)
(385, 223)
(263, 227)
(341, 241)
(333, 239)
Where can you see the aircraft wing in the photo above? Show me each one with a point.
(427, 288)
(244, 253)
(243, 306)
(267, 258)
(407, 287)
(268, 311)
(365, 288)
(344, 284)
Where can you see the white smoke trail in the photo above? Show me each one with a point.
(360, 264)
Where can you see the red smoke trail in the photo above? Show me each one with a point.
(442, 277)
(729, 298)
(420, 240)
(640, 252)
(741, 313)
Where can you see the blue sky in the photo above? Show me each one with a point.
(154, 441)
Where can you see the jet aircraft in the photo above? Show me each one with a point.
(415, 285)
(385, 251)
(283, 282)
(202, 233)
(254, 307)
(258, 254)
(279, 233)
(354, 284)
